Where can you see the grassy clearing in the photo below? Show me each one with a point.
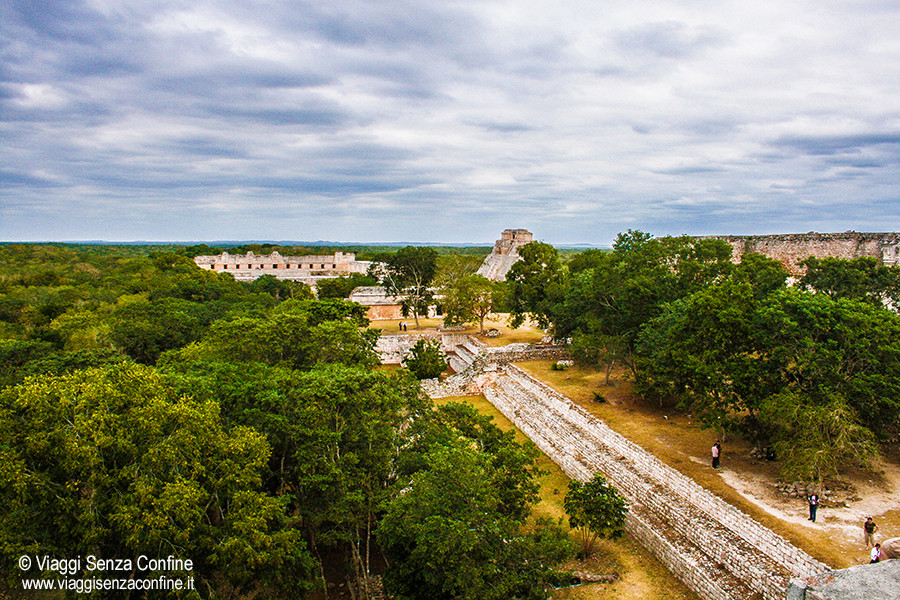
(682, 444)
(642, 576)
(508, 335)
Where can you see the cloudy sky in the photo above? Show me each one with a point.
(446, 120)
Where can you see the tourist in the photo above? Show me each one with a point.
(876, 554)
(716, 453)
(870, 528)
(813, 506)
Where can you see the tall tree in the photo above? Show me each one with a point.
(861, 278)
(425, 359)
(408, 275)
(536, 284)
(447, 537)
(596, 510)
(469, 299)
(606, 306)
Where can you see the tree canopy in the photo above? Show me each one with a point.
(149, 407)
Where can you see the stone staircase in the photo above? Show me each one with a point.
(463, 357)
(718, 551)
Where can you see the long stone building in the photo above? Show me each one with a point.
(792, 248)
(308, 269)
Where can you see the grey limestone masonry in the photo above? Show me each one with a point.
(718, 551)
(792, 248)
(392, 348)
(504, 254)
(307, 269)
(880, 581)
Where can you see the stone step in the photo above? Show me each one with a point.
(457, 364)
(668, 517)
(465, 354)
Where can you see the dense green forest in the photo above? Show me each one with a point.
(151, 408)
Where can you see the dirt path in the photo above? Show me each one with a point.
(842, 524)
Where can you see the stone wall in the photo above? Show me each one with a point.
(879, 581)
(519, 352)
(718, 551)
(393, 347)
(790, 249)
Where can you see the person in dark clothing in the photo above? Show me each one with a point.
(813, 506)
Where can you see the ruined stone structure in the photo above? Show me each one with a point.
(380, 306)
(792, 248)
(879, 581)
(383, 307)
(718, 551)
(308, 269)
(505, 253)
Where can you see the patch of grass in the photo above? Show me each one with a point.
(526, 334)
(642, 576)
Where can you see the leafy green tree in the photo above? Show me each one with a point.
(704, 350)
(334, 433)
(765, 275)
(589, 259)
(408, 275)
(280, 289)
(843, 347)
(143, 330)
(298, 334)
(536, 284)
(860, 278)
(342, 287)
(608, 305)
(774, 364)
(112, 462)
(470, 299)
(513, 464)
(816, 439)
(426, 360)
(447, 538)
(16, 354)
(596, 510)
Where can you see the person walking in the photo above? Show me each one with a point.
(813, 506)
(870, 528)
(716, 453)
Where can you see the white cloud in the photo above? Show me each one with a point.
(467, 117)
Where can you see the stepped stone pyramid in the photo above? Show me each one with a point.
(505, 253)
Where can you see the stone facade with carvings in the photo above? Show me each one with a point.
(308, 269)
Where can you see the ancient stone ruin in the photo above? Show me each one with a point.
(308, 269)
(505, 253)
(718, 551)
(792, 248)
